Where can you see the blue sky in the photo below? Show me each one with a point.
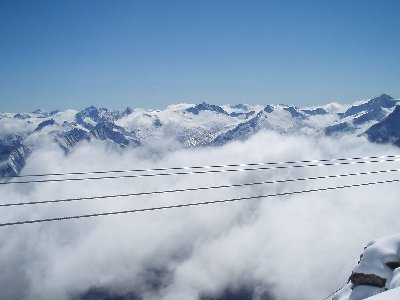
(72, 54)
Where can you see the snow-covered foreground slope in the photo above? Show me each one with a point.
(377, 271)
(393, 294)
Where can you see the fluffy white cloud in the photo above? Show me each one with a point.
(296, 247)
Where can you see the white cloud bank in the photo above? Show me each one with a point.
(296, 247)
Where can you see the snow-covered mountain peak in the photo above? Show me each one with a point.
(268, 109)
(383, 101)
(40, 112)
(206, 107)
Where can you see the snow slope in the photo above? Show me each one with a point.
(377, 271)
(393, 294)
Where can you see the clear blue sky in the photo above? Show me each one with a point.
(72, 54)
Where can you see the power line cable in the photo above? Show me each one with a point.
(196, 188)
(193, 204)
(330, 295)
(202, 167)
(198, 172)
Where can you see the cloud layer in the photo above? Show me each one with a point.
(294, 247)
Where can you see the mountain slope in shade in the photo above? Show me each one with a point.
(244, 130)
(376, 114)
(46, 123)
(13, 154)
(386, 131)
(358, 118)
(109, 131)
(383, 101)
(67, 140)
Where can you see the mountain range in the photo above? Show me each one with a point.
(190, 126)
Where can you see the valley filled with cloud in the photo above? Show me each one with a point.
(300, 246)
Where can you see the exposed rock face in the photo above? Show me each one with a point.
(127, 112)
(45, 124)
(393, 264)
(109, 131)
(243, 130)
(367, 279)
(13, 154)
(70, 138)
(268, 109)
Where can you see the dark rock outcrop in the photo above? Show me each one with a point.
(367, 279)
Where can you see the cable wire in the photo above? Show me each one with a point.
(193, 204)
(331, 295)
(196, 188)
(199, 172)
(202, 167)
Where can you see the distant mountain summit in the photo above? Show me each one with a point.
(206, 107)
(383, 101)
(354, 118)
